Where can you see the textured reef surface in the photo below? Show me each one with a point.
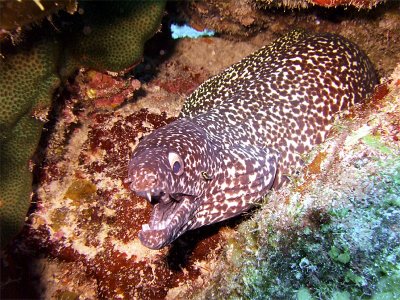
(85, 213)
(33, 68)
(244, 18)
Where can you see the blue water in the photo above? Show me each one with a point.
(185, 31)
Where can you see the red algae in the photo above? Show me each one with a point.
(86, 214)
(116, 141)
(103, 91)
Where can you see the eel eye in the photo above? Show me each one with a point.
(176, 163)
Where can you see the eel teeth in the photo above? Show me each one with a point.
(159, 226)
(148, 196)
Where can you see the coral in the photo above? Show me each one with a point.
(334, 233)
(27, 82)
(103, 91)
(87, 216)
(119, 46)
(356, 250)
(33, 68)
(111, 40)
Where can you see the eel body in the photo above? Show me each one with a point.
(243, 131)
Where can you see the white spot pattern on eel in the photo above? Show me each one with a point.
(241, 132)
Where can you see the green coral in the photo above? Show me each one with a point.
(27, 83)
(31, 71)
(32, 67)
(114, 48)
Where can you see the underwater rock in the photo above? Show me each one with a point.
(95, 220)
(355, 3)
(102, 91)
(16, 14)
(240, 19)
(86, 215)
(325, 3)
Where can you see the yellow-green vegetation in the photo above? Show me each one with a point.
(80, 190)
(79, 196)
(107, 35)
(67, 295)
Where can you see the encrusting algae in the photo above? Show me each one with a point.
(32, 70)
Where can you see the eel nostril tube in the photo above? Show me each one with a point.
(143, 179)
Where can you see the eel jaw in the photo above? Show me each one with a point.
(169, 219)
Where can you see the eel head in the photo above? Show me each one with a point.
(168, 167)
(193, 181)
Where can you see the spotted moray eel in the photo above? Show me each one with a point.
(243, 132)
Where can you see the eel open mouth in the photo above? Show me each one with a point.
(169, 218)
